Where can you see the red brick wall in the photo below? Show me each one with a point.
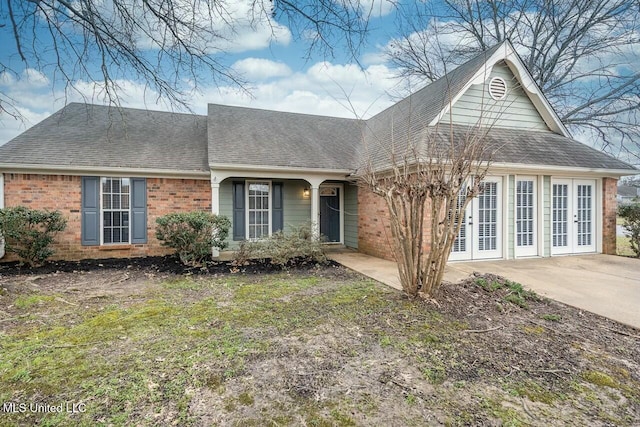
(62, 192)
(374, 229)
(609, 214)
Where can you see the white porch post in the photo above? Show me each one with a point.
(215, 209)
(315, 210)
(315, 204)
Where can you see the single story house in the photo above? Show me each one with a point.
(113, 171)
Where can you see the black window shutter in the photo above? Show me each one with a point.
(138, 211)
(276, 208)
(238, 211)
(90, 212)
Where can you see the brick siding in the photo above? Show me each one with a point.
(609, 215)
(62, 192)
(374, 228)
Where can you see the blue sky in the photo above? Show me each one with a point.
(279, 76)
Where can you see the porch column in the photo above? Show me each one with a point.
(315, 210)
(215, 209)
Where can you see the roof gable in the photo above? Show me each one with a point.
(503, 53)
(510, 108)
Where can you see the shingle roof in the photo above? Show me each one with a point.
(101, 136)
(249, 136)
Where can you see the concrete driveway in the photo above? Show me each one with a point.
(604, 284)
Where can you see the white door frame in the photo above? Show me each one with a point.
(573, 243)
(471, 228)
(529, 249)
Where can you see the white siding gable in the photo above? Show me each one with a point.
(515, 111)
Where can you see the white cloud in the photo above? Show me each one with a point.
(377, 8)
(214, 27)
(324, 89)
(261, 69)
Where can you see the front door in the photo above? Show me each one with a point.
(481, 234)
(573, 216)
(330, 213)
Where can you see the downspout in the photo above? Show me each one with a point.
(1, 207)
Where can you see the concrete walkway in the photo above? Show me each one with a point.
(604, 284)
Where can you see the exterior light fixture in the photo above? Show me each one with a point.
(306, 193)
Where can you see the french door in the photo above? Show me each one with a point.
(525, 233)
(573, 221)
(480, 236)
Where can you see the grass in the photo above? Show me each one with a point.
(623, 246)
(283, 349)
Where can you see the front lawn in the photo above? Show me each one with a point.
(315, 347)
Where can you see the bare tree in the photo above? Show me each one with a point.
(582, 53)
(427, 179)
(174, 46)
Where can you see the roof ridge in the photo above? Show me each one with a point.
(117, 107)
(267, 110)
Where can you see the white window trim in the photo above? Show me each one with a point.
(246, 204)
(340, 187)
(102, 243)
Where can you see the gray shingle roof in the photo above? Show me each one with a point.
(250, 136)
(99, 136)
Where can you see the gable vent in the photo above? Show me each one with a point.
(497, 88)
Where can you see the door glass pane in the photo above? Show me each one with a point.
(524, 213)
(460, 244)
(584, 214)
(560, 215)
(487, 217)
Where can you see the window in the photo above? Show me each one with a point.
(259, 208)
(115, 210)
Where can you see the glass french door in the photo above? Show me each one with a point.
(572, 216)
(480, 236)
(525, 217)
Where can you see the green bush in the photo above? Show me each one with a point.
(631, 215)
(29, 233)
(283, 248)
(193, 234)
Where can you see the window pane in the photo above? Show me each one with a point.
(125, 185)
(124, 201)
(107, 235)
(106, 201)
(107, 219)
(125, 219)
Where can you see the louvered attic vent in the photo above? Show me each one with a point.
(497, 88)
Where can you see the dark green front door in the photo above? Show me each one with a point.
(330, 213)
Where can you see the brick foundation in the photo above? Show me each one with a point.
(62, 192)
(609, 215)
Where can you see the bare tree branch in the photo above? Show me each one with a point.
(582, 53)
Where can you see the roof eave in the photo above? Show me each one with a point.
(42, 169)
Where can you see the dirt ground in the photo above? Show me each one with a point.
(310, 346)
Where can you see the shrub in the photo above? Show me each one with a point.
(282, 248)
(29, 233)
(193, 234)
(631, 215)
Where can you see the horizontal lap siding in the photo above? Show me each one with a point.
(297, 209)
(351, 216)
(63, 193)
(514, 112)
